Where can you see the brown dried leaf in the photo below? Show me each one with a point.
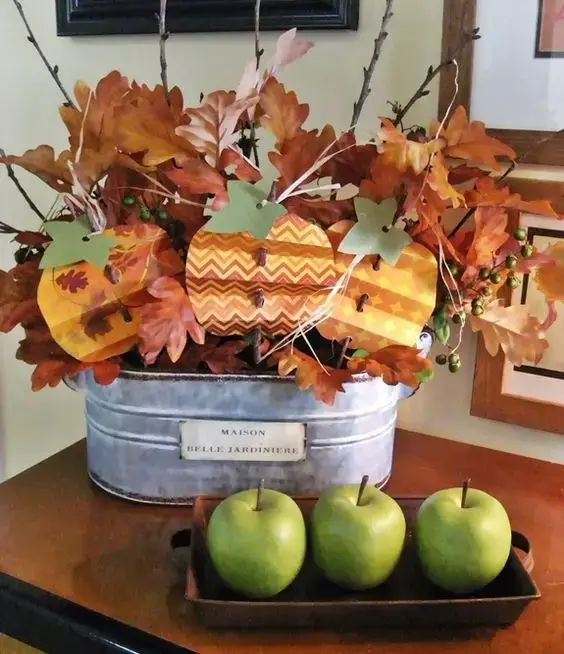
(396, 364)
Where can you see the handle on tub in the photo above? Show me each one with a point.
(521, 542)
(180, 549)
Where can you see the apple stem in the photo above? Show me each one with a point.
(465, 485)
(259, 495)
(361, 489)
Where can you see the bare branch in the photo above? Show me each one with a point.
(21, 189)
(422, 91)
(53, 70)
(369, 72)
(258, 55)
(163, 34)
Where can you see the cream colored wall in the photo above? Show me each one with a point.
(34, 426)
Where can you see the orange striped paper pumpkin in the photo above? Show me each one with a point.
(237, 283)
(398, 302)
(93, 318)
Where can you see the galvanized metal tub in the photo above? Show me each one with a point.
(135, 430)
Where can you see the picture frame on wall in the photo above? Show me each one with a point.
(511, 78)
(101, 17)
(528, 395)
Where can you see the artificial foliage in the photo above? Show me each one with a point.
(170, 247)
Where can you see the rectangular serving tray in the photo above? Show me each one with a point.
(406, 600)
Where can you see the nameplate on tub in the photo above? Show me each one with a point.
(229, 440)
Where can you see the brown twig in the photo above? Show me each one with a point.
(257, 339)
(163, 38)
(369, 72)
(258, 55)
(343, 354)
(432, 72)
(21, 189)
(53, 70)
(8, 229)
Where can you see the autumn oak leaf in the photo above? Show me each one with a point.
(395, 364)
(283, 115)
(72, 281)
(167, 322)
(512, 328)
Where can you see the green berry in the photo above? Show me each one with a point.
(477, 309)
(487, 292)
(454, 269)
(513, 282)
(527, 250)
(495, 278)
(129, 200)
(454, 367)
(511, 261)
(161, 214)
(485, 273)
(144, 214)
(457, 319)
(520, 234)
(441, 359)
(454, 358)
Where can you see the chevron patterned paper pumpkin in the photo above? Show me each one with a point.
(92, 318)
(398, 300)
(237, 283)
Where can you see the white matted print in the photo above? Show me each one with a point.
(518, 69)
(545, 381)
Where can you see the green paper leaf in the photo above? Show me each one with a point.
(73, 242)
(246, 211)
(372, 235)
(360, 354)
(441, 326)
(425, 375)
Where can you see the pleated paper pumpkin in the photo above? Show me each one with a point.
(237, 282)
(92, 317)
(396, 302)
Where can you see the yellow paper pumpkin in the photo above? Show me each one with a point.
(91, 312)
(396, 302)
(237, 283)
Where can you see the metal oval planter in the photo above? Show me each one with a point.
(164, 438)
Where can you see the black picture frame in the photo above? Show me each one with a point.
(103, 17)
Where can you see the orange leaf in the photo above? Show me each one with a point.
(353, 164)
(469, 141)
(41, 162)
(326, 383)
(147, 124)
(519, 334)
(283, 114)
(18, 295)
(396, 364)
(400, 151)
(213, 124)
(299, 154)
(439, 182)
(384, 180)
(550, 279)
(488, 193)
(167, 322)
(241, 167)
(197, 176)
(489, 236)
(428, 231)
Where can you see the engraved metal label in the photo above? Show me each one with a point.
(228, 440)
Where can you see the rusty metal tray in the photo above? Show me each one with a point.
(406, 600)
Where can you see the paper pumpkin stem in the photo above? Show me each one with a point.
(261, 257)
(362, 301)
(377, 262)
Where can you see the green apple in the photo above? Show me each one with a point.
(257, 542)
(463, 539)
(357, 535)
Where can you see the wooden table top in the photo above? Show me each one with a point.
(60, 534)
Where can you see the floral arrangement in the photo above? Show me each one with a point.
(168, 247)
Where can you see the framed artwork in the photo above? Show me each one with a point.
(550, 29)
(530, 396)
(95, 17)
(511, 78)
